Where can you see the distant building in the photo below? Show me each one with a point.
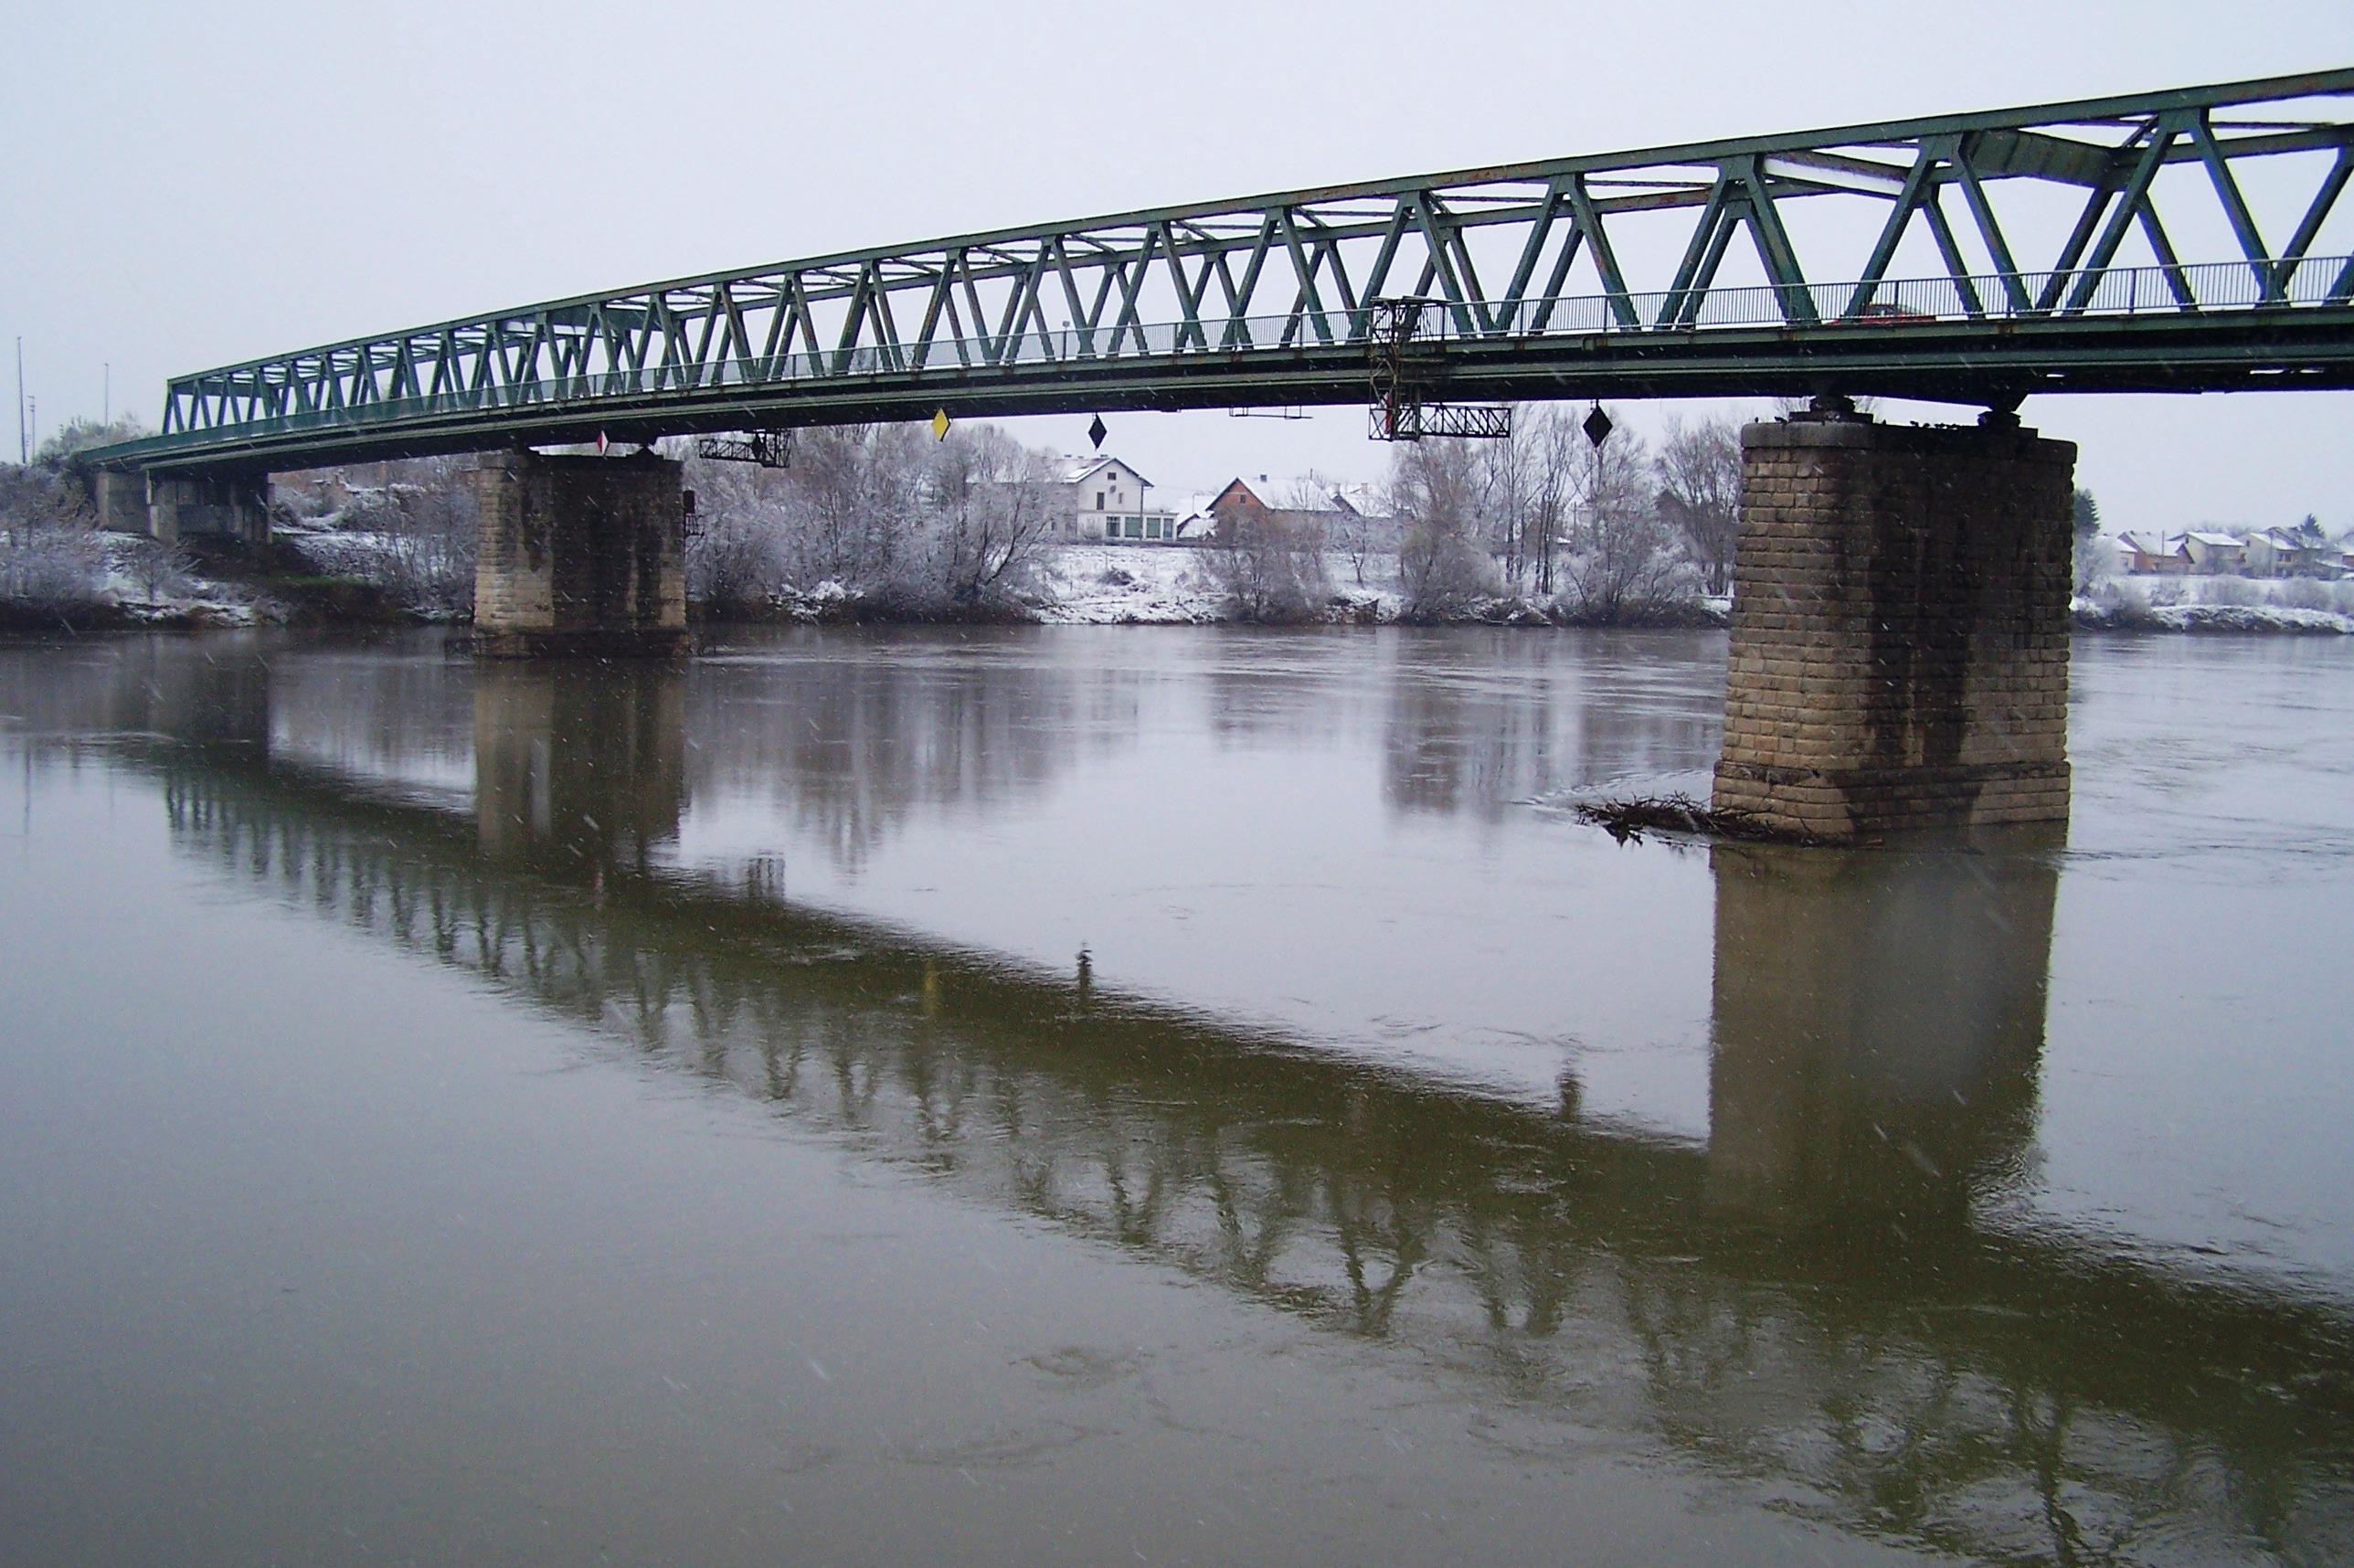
(1102, 501)
(2280, 553)
(1333, 512)
(2216, 555)
(2152, 555)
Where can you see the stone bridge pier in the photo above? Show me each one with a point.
(1900, 628)
(579, 555)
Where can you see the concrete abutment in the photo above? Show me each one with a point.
(579, 555)
(1900, 629)
(172, 507)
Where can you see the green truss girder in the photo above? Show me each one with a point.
(1168, 307)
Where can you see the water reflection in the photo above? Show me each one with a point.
(848, 748)
(1476, 725)
(578, 766)
(1878, 1024)
(1809, 1307)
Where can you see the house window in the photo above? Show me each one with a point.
(1136, 528)
(1099, 500)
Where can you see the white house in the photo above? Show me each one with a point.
(2284, 553)
(2214, 554)
(1103, 501)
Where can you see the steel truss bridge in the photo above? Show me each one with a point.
(2182, 241)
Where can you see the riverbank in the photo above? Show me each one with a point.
(94, 582)
(128, 585)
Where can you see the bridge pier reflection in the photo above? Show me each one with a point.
(1878, 1024)
(1975, 1390)
(579, 768)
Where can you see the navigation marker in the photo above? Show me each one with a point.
(1097, 432)
(940, 425)
(1598, 427)
(600, 443)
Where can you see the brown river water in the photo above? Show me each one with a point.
(1094, 1096)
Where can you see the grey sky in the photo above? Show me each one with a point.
(188, 185)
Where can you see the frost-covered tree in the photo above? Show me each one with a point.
(984, 532)
(734, 545)
(1698, 470)
(159, 569)
(1438, 488)
(1622, 559)
(78, 435)
(1269, 564)
(2084, 514)
(894, 518)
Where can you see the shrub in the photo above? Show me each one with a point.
(2228, 592)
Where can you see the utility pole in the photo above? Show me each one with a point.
(24, 443)
(106, 398)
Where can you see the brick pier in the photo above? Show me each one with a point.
(580, 554)
(1900, 629)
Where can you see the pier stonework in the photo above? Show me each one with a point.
(579, 555)
(1900, 629)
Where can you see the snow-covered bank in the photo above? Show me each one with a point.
(1106, 585)
(1116, 585)
(2211, 618)
(2223, 602)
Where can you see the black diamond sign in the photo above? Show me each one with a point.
(1597, 426)
(1097, 432)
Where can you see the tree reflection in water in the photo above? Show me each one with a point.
(1813, 1306)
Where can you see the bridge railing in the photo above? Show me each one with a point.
(1901, 304)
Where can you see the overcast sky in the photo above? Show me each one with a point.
(186, 185)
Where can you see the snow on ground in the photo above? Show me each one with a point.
(1110, 584)
(2249, 618)
(180, 595)
(2128, 608)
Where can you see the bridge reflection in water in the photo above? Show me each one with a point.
(1823, 1306)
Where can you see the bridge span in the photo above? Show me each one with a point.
(1975, 257)
(2187, 241)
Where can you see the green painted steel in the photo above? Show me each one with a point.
(1975, 257)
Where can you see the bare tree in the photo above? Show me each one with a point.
(52, 559)
(1269, 564)
(1621, 561)
(735, 545)
(414, 536)
(42, 495)
(1357, 539)
(161, 569)
(78, 435)
(1436, 490)
(854, 494)
(1505, 489)
(985, 532)
(434, 547)
(1699, 468)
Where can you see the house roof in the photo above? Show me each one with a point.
(2214, 541)
(1364, 500)
(1072, 470)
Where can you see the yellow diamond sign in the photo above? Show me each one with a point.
(940, 425)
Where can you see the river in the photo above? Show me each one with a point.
(1086, 1095)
